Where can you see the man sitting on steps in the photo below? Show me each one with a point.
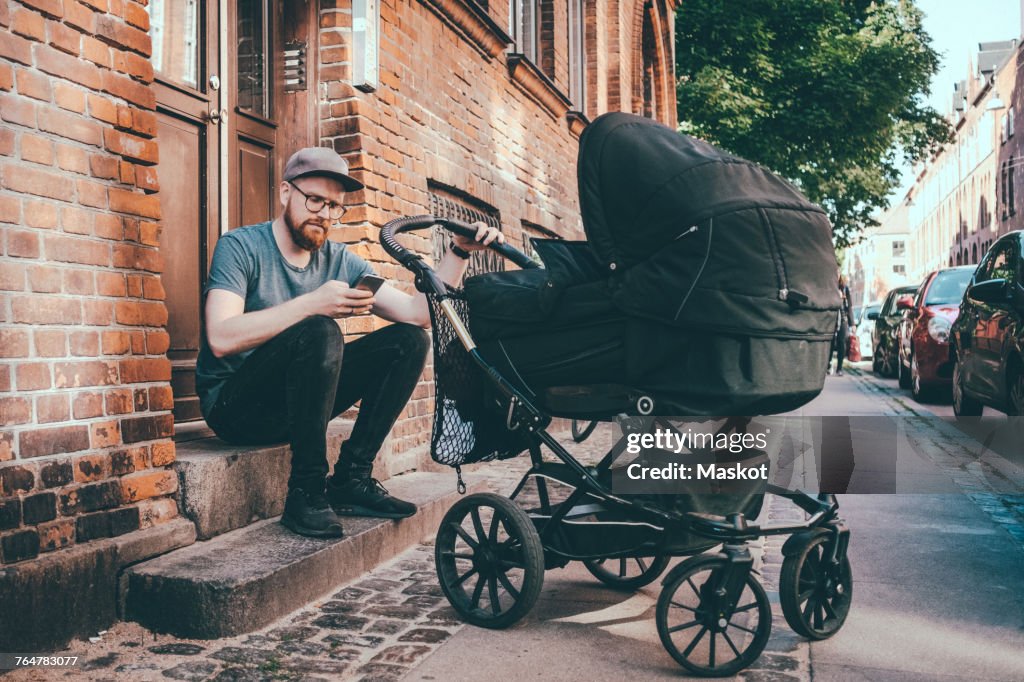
(273, 365)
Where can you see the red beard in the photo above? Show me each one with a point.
(306, 235)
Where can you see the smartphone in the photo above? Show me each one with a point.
(370, 283)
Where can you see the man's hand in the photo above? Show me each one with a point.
(484, 236)
(337, 299)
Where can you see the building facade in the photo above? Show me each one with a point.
(878, 263)
(134, 133)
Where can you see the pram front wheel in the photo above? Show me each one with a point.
(698, 627)
(814, 591)
(489, 560)
(627, 574)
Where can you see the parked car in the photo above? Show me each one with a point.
(988, 339)
(923, 333)
(865, 325)
(884, 349)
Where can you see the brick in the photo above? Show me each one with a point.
(39, 508)
(86, 373)
(123, 462)
(146, 178)
(78, 282)
(118, 33)
(86, 405)
(70, 126)
(145, 205)
(67, 249)
(119, 402)
(109, 227)
(6, 444)
(153, 288)
(102, 166)
(56, 535)
(157, 343)
(141, 400)
(69, 97)
(13, 343)
(127, 89)
(33, 376)
(10, 210)
(84, 344)
(65, 38)
(27, 23)
(92, 527)
(144, 485)
(50, 343)
(95, 51)
(97, 313)
(38, 182)
(126, 172)
(131, 228)
(72, 159)
(43, 279)
(104, 434)
(133, 257)
(22, 244)
(51, 8)
(36, 149)
(124, 521)
(136, 16)
(156, 511)
(110, 283)
(102, 108)
(39, 213)
(10, 513)
(16, 479)
(91, 194)
(12, 277)
(15, 411)
(56, 474)
(163, 453)
(15, 48)
(147, 428)
(115, 343)
(137, 313)
(14, 109)
(134, 286)
(53, 408)
(42, 442)
(91, 468)
(90, 497)
(76, 220)
(144, 122)
(19, 546)
(57, 63)
(140, 68)
(6, 77)
(33, 84)
(46, 310)
(6, 147)
(137, 371)
(78, 15)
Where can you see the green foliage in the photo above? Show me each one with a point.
(827, 93)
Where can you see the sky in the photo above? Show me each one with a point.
(956, 29)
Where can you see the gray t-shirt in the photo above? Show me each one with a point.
(248, 262)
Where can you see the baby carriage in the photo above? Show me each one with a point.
(706, 288)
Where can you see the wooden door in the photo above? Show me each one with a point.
(222, 142)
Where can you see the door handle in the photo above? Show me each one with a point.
(217, 115)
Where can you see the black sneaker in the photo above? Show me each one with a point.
(367, 497)
(308, 513)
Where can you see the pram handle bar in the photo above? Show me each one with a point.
(406, 258)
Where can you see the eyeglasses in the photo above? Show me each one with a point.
(315, 204)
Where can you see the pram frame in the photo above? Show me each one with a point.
(732, 531)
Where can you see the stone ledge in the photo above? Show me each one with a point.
(537, 85)
(242, 580)
(474, 23)
(577, 121)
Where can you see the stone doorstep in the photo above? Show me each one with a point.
(72, 593)
(243, 580)
(223, 487)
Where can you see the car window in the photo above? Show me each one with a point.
(999, 264)
(887, 306)
(872, 309)
(948, 287)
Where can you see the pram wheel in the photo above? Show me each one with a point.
(489, 559)
(815, 592)
(698, 630)
(582, 430)
(621, 573)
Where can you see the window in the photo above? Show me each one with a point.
(899, 269)
(899, 248)
(1009, 188)
(999, 264)
(524, 27)
(449, 203)
(1004, 129)
(577, 55)
(254, 73)
(173, 28)
(1009, 123)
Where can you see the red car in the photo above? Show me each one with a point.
(924, 365)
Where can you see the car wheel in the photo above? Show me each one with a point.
(916, 389)
(888, 364)
(963, 404)
(902, 374)
(1015, 402)
(876, 361)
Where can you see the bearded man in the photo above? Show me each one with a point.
(273, 365)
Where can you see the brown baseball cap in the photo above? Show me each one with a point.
(320, 161)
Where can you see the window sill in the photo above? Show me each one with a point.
(474, 23)
(577, 122)
(537, 85)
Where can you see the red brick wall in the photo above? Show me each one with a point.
(445, 113)
(84, 394)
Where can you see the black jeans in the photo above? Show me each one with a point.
(292, 385)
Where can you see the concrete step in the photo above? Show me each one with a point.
(241, 581)
(224, 487)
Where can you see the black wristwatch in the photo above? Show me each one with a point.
(460, 252)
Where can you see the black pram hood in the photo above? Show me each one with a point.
(696, 237)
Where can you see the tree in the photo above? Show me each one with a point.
(826, 93)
